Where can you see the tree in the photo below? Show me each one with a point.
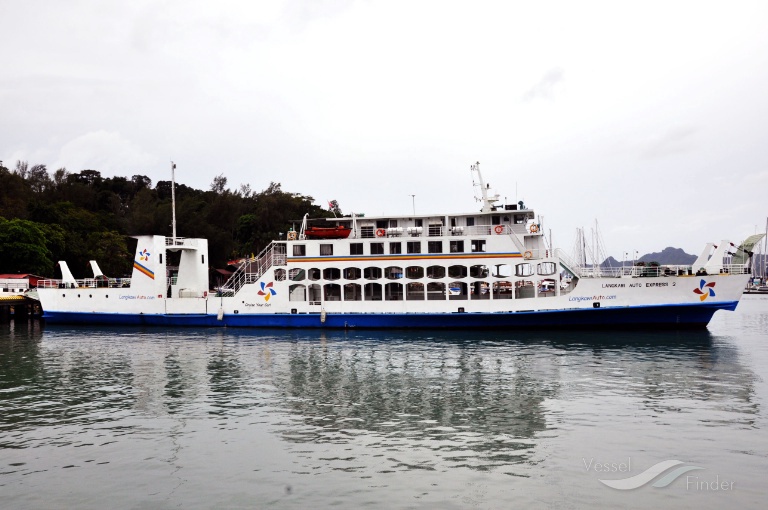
(333, 206)
(38, 178)
(23, 248)
(219, 184)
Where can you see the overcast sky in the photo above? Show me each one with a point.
(651, 117)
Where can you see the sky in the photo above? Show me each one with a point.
(648, 117)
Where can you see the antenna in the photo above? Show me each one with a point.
(173, 199)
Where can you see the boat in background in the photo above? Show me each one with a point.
(490, 268)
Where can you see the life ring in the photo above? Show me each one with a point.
(534, 228)
(527, 255)
(380, 232)
(498, 229)
(292, 235)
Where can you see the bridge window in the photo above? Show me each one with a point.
(299, 250)
(457, 246)
(356, 249)
(435, 247)
(326, 249)
(414, 246)
(395, 248)
(377, 248)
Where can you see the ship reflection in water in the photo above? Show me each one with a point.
(368, 403)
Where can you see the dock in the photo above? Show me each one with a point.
(18, 307)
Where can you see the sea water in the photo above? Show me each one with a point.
(133, 418)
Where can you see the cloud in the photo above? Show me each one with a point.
(674, 141)
(106, 151)
(545, 88)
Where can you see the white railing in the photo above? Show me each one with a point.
(369, 232)
(90, 283)
(14, 287)
(180, 241)
(655, 271)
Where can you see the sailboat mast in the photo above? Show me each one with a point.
(763, 275)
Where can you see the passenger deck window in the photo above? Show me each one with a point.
(414, 246)
(478, 245)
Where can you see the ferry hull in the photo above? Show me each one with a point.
(662, 316)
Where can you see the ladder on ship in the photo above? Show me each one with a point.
(251, 269)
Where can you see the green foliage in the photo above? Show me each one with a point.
(23, 248)
(84, 216)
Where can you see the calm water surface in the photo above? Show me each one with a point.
(169, 418)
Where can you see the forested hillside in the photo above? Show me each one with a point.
(46, 217)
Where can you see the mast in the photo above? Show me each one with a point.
(484, 188)
(173, 199)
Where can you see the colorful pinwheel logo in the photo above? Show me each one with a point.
(144, 255)
(267, 291)
(705, 290)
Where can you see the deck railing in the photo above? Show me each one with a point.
(655, 271)
(370, 232)
(90, 283)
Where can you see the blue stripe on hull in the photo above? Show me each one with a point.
(669, 316)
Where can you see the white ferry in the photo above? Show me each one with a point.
(486, 269)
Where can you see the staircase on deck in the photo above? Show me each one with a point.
(251, 269)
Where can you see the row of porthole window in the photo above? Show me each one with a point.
(418, 272)
(414, 291)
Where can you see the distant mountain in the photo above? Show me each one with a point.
(669, 256)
